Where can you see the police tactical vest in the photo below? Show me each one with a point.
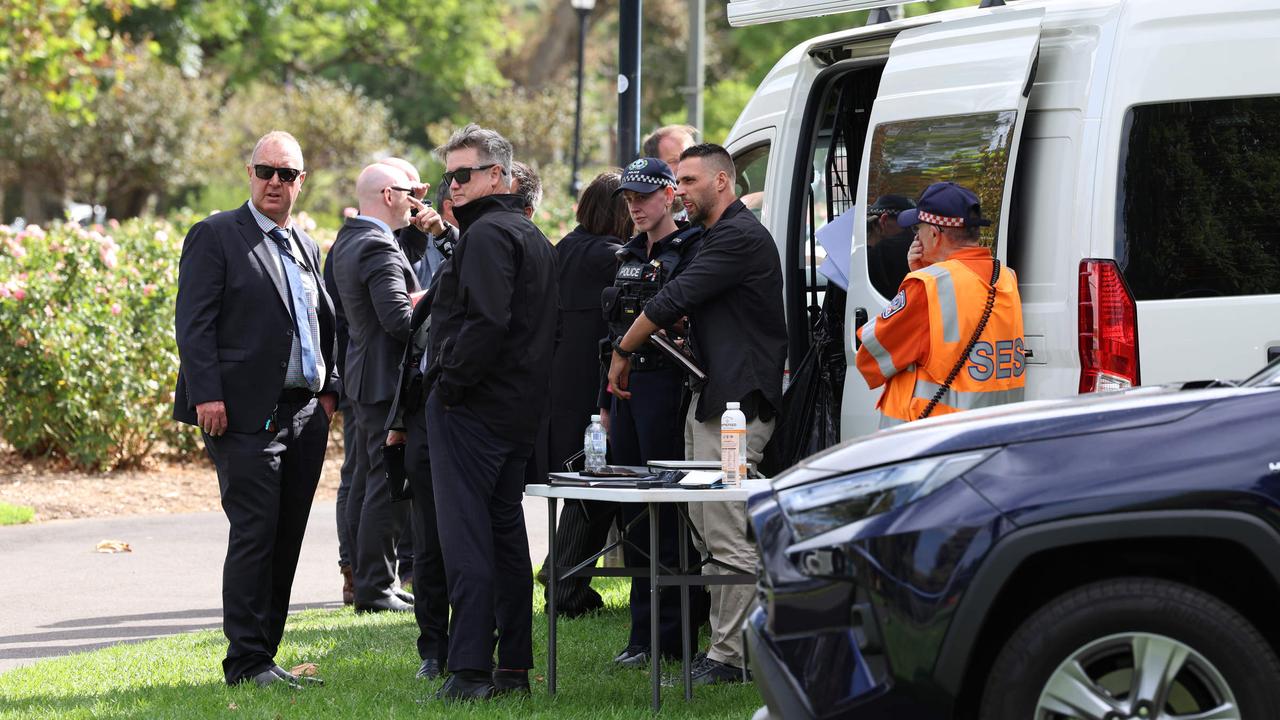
(638, 280)
(995, 372)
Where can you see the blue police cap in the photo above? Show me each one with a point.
(646, 175)
(945, 204)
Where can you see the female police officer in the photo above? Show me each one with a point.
(649, 426)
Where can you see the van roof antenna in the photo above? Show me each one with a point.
(991, 3)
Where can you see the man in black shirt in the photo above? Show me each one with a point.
(493, 328)
(732, 294)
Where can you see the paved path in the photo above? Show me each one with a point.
(59, 596)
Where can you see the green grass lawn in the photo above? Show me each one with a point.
(367, 662)
(15, 514)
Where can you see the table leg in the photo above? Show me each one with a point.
(655, 650)
(552, 572)
(684, 608)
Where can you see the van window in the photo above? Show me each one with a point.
(909, 155)
(750, 167)
(1199, 194)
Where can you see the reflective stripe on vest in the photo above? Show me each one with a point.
(946, 288)
(925, 391)
(873, 346)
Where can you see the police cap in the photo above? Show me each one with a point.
(945, 204)
(646, 175)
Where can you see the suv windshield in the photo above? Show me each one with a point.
(1269, 375)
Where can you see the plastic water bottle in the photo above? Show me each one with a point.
(733, 445)
(595, 444)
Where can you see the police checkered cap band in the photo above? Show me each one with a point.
(647, 179)
(941, 220)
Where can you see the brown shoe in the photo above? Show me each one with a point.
(348, 585)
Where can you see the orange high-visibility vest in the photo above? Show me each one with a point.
(956, 297)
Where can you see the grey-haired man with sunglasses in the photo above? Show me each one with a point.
(255, 333)
(493, 327)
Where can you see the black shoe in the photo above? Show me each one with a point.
(268, 678)
(510, 682)
(712, 672)
(387, 604)
(590, 606)
(297, 679)
(431, 669)
(634, 657)
(457, 689)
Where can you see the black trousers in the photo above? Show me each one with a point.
(581, 531)
(649, 427)
(430, 587)
(374, 522)
(267, 480)
(353, 461)
(478, 480)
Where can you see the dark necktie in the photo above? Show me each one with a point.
(301, 307)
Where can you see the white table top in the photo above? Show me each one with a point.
(647, 495)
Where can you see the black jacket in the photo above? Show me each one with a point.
(233, 323)
(374, 280)
(493, 318)
(732, 293)
(585, 264)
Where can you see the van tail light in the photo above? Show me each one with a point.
(1108, 328)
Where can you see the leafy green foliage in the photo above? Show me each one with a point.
(59, 50)
(339, 128)
(15, 514)
(148, 121)
(87, 355)
(368, 663)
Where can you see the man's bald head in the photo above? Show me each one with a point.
(404, 166)
(376, 200)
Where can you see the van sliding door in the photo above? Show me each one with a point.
(949, 107)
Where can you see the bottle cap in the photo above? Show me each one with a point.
(732, 406)
(595, 418)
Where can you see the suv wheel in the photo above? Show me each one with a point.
(1134, 649)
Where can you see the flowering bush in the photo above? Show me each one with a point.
(87, 354)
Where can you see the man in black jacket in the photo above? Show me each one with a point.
(493, 325)
(255, 333)
(732, 293)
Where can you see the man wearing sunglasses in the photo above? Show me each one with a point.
(255, 334)
(493, 327)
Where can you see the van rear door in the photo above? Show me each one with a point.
(950, 106)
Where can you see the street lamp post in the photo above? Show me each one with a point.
(583, 8)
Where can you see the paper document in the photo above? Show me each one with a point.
(701, 478)
(836, 237)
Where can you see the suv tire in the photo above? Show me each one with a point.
(1081, 649)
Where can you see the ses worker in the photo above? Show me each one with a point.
(951, 339)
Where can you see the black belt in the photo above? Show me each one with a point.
(651, 361)
(296, 395)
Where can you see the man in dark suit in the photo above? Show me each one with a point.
(493, 326)
(255, 333)
(374, 279)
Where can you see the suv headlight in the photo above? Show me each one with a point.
(828, 504)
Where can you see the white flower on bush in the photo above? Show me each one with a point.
(305, 222)
(162, 236)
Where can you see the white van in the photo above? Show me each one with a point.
(1129, 151)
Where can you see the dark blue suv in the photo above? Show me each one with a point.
(1107, 556)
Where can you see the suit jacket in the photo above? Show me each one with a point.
(374, 280)
(234, 326)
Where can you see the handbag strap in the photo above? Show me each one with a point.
(977, 333)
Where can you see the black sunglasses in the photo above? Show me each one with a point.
(397, 188)
(287, 175)
(463, 175)
(915, 229)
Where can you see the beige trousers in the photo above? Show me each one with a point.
(723, 527)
